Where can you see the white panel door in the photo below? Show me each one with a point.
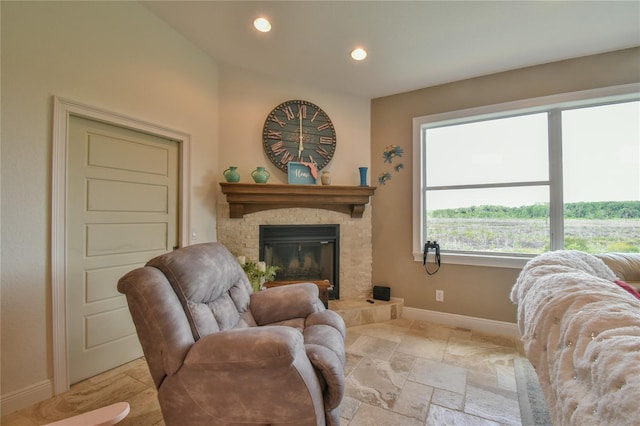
(122, 210)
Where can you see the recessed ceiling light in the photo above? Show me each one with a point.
(262, 25)
(358, 54)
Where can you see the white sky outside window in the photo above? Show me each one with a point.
(506, 150)
(601, 153)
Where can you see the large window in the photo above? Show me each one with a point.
(511, 181)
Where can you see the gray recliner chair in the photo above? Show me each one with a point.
(221, 354)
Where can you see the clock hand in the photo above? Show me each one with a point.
(300, 146)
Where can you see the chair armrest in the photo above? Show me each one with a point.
(327, 317)
(331, 369)
(247, 348)
(284, 303)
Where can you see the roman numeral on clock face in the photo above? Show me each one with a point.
(289, 112)
(286, 157)
(278, 148)
(324, 126)
(277, 120)
(326, 140)
(323, 152)
(302, 111)
(272, 134)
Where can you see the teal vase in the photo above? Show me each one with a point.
(231, 174)
(363, 176)
(260, 175)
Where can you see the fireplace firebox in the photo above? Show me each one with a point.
(303, 252)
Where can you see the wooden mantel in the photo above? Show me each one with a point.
(246, 198)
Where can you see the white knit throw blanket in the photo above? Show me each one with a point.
(581, 332)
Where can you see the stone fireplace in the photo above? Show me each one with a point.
(242, 237)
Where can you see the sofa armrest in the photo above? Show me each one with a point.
(626, 266)
(301, 299)
(246, 348)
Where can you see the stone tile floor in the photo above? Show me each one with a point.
(399, 372)
(404, 372)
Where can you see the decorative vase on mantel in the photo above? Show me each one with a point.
(363, 176)
(231, 174)
(260, 175)
(325, 178)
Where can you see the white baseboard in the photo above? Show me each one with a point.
(16, 400)
(476, 324)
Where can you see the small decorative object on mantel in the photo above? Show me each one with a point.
(231, 174)
(260, 175)
(363, 176)
(302, 173)
(390, 152)
(325, 178)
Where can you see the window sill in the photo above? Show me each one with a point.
(513, 262)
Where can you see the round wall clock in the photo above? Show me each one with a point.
(298, 131)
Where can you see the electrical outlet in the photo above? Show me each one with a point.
(439, 295)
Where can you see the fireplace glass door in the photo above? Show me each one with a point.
(302, 252)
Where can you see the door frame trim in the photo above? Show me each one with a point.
(62, 110)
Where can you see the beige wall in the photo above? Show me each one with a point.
(247, 98)
(472, 291)
(111, 55)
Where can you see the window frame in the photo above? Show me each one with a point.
(553, 105)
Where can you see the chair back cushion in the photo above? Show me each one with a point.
(212, 287)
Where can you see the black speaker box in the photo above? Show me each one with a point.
(381, 293)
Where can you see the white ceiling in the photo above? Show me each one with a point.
(411, 44)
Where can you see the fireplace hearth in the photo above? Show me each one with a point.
(303, 252)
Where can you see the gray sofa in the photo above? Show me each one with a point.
(221, 354)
